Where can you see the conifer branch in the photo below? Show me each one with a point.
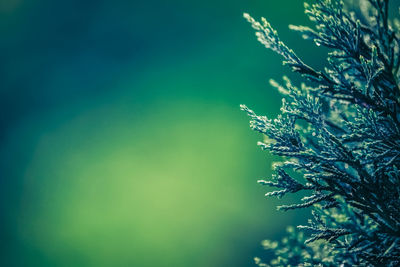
(341, 133)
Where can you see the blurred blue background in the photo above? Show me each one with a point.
(122, 142)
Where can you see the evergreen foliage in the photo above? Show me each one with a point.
(339, 138)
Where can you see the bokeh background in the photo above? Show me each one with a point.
(121, 138)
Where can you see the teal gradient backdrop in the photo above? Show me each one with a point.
(122, 142)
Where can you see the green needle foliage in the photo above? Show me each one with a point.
(339, 138)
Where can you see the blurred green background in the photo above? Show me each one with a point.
(122, 142)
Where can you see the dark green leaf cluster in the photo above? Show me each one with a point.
(340, 131)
